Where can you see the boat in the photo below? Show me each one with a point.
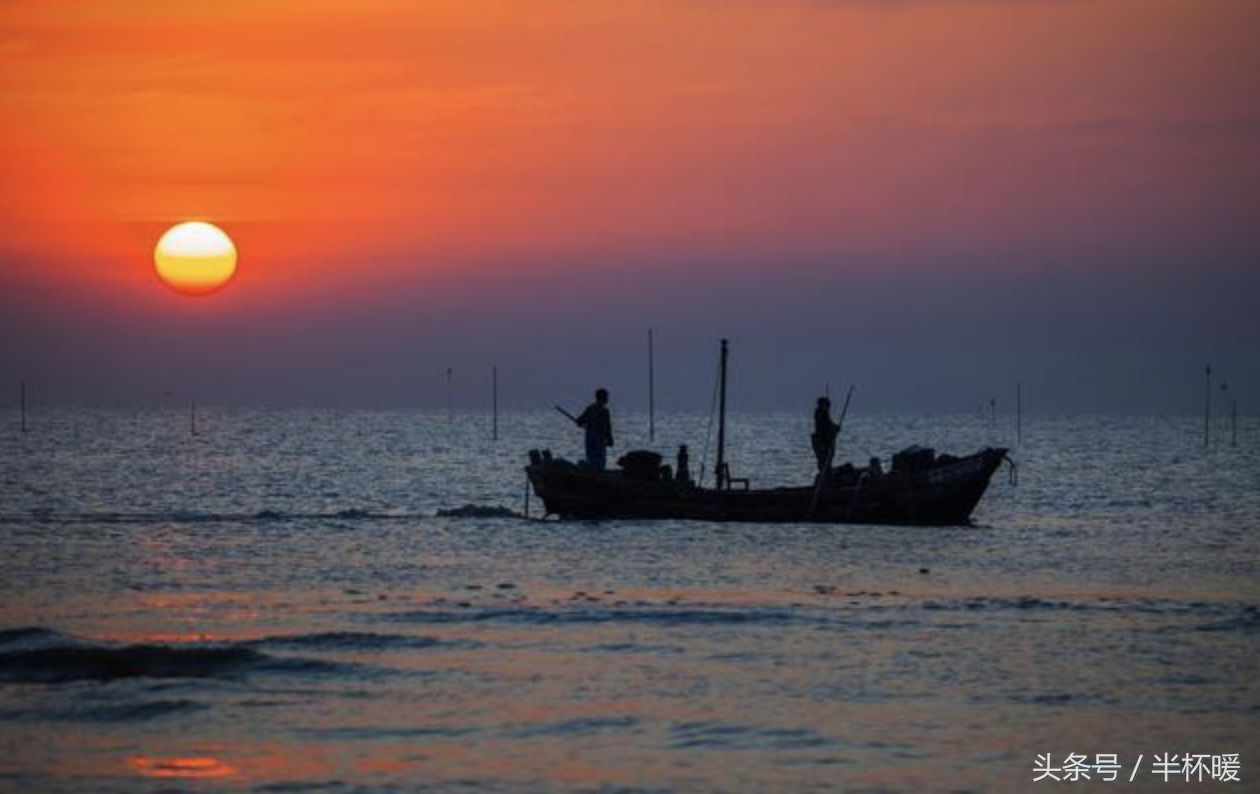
(921, 488)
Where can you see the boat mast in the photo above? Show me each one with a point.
(721, 472)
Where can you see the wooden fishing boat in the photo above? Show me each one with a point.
(921, 488)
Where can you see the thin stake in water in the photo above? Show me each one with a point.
(1207, 404)
(1233, 414)
(450, 406)
(23, 406)
(494, 402)
(651, 392)
(720, 470)
(1019, 412)
(192, 418)
(1233, 422)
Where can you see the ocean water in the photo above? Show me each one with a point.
(273, 606)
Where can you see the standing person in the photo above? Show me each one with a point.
(824, 437)
(598, 424)
(683, 477)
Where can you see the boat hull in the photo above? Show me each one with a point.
(945, 494)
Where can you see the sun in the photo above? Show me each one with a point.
(195, 258)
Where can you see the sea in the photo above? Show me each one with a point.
(274, 605)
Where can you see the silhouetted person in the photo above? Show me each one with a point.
(597, 422)
(683, 477)
(875, 469)
(824, 437)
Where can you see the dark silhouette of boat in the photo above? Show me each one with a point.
(921, 488)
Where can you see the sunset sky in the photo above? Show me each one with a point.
(932, 198)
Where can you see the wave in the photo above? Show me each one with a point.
(1245, 621)
(379, 733)
(911, 614)
(351, 640)
(42, 516)
(587, 615)
(195, 517)
(26, 635)
(138, 711)
(1037, 604)
(581, 726)
(716, 735)
(34, 654)
(65, 661)
(478, 511)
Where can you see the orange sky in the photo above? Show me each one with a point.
(923, 195)
(413, 137)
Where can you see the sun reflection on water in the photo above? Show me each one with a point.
(191, 767)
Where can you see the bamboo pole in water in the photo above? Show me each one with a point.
(1019, 412)
(721, 439)
(1233, 421)
(450, 409)
(1207, 405)
(192, 418)
(23, 406)
(651, 391)
(1232, 402)
(494, 402)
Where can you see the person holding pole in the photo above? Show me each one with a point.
(824, 436)
(597, 422)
